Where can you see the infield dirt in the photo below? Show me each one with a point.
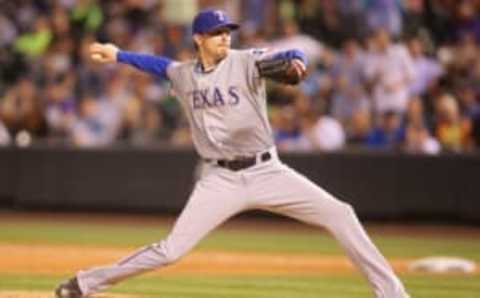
(40, 258)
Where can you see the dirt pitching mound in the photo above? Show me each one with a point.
(17, 258)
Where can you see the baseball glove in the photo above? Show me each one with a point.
(284, 71)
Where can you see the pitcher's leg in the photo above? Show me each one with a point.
(212, 202)
(294, 195)
(362, 251)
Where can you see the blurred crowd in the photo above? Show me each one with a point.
(399, 75)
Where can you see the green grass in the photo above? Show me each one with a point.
(305, 241)
(243, 286)
(192, 286)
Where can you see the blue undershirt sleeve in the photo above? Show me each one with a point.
(291, 54)
(155, 65)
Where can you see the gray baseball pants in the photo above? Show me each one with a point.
(272, 186)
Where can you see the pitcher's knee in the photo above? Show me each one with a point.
(172, 258)
(342, 212)
(167, 253)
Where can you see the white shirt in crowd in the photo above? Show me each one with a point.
(391, 72)
(326, 134)
(4, 135)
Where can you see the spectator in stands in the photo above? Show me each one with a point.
(145, 121)
(111, 106)
(35, 43)
(57, 61)
(87, 16)
(60, 21)
(250, 37)
(452, 130)
(470, 109)
(60, 110)
(465, 21)
(150, 127)
(427, 70)
(5, 138)
(388, 134)
(8, 31)
(469, 105)
(349, 94)
(292, 38)
(256, 14)
(438, 16)
(318, 84)
(324, 21)
(87, 129)
(475, 75)
(323, 133)
(286, 128)
(414, 21)
(359, 127)
(464, 56)
(475, 86)
(417, 136)
(50, 50)
(354, 17)
(21, 109)
(384, 14)
(389, 70)
(10, 64)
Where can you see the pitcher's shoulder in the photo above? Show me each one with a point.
(234, 53)
(181, 67)
(183, 64)
(250, 52)
(246, 55)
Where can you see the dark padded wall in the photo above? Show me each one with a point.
(378, 185)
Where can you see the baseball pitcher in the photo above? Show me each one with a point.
(223, 94)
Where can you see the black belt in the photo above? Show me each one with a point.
(240, 163)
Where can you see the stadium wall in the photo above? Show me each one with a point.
(384, 186)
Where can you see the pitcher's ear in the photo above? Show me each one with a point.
(197, 39)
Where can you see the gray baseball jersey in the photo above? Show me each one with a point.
(227, 107)
(227, 112)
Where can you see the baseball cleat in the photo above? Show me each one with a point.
(69, 289)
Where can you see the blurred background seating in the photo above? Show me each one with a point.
(401, 75)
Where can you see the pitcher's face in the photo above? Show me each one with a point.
(215, 43)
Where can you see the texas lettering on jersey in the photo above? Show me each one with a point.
(214, 97)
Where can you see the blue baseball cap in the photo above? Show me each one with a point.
(209, 20)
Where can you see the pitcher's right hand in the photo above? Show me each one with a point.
(103, 52)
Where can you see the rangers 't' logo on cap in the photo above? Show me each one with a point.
(220, 16)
